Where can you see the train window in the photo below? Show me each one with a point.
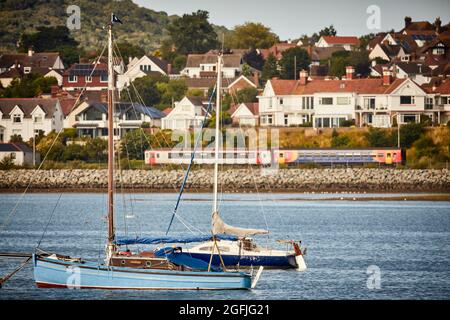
(157, 155)
(281, 155)
(380, 155)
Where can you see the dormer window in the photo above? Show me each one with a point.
(73, 79)
(38, 119)
(26, 69)
(17, 118)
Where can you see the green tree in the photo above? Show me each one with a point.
(251, 35)
(292, 61)
(247, 95)
(225, 119)
(192, 33)
(128, 50)
(173, 90)
(179, 62)
(270, 68)
(144, 88)
(44, 84)
(254, 59)
(409, 133)
(56, 38)
(377, 137)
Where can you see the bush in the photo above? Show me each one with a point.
(7, 163)
(409, 133)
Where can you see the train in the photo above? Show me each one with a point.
(325, 156)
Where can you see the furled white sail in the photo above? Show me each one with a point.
(220, 227)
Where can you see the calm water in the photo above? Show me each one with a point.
(409, 241)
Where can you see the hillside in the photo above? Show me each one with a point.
(142, 26)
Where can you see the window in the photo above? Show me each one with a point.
(281, 101)
(286, 120)
(38, 119)
(369, 103)
(326, 101)
(17, 118)
(445, 100)
(343, 100)
(269, 119)
(104, 78)
(88, 79)
(407, 100)
(27, 70)
(73, 78)
(145, 67)
(2, 134)
(428, 103)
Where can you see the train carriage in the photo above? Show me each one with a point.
(387, 156)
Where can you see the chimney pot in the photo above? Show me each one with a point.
(303, 77)
(387, 76)
(30, 51)
(349, 70)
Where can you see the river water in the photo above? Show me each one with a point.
(348, 241)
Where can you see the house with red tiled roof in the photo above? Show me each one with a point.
(245, 114)
(327, 103)
(276, 50)
(92, 76)
(338, 41)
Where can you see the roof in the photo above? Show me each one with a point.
(123, 107)
(12, 73)
(229, 60)
(253, 107)
(444, 88)
(360, 86)
(39, 59)
(210, 82)
(67, 105)
(413, 67)
(323, 53)
(168, 110)
(27, 105)
(196, 101)
(14, 147)
(86, 69)
(162, 64)
(341, 40)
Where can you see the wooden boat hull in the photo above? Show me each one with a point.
(52, 273)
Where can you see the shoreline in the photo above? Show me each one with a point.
(328, 195)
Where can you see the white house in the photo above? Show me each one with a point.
(92, 119)
(205, 65)
(27, 117)
(187, 113)
(138, 68)
(327, 103)
(245, 114)
(348, 43)
(20, 153)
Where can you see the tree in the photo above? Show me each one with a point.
(52, 39)
(128, 50)
(294, 60)
(251, 35)
(254, 59)
(246, 70)
(192, 33)
(173, 90)
(31, 85)
(379, 138)
(247, 95)
(358, 59)
(270, 68)
(409, 133)
(327, 31)
(144, 88)
(179, 62)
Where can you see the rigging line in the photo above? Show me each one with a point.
(48, 222)
(251, 169)
(191, 162)
(163, 137)
(19, 201)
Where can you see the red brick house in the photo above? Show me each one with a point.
(79, 75)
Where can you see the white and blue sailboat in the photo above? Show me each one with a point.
(164, 269)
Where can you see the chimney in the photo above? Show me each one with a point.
(303, 77)
(407, 22)
(54, 91)
(169, 68)
(387, 76)
(30, 51)
(349, 71)
(256, 78)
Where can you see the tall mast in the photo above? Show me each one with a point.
(110, 141)
(218, 136)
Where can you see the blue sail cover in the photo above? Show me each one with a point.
(181, 259)
(121, 241)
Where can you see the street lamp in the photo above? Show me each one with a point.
(398, 128)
